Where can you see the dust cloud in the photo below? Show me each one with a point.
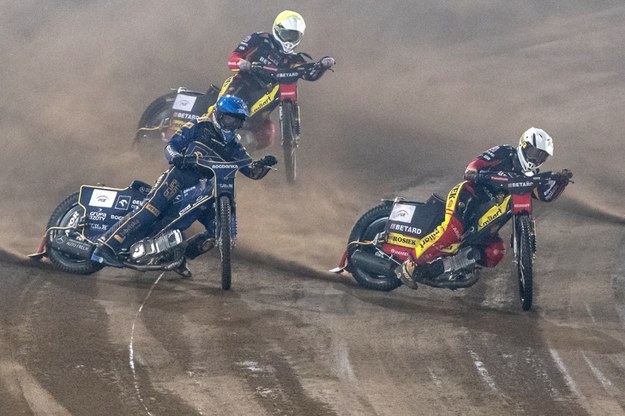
(420, 88)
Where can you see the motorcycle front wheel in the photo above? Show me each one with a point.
(289, 140)
(67, 215)
(366, 228)
(224, 241)
(524, 254)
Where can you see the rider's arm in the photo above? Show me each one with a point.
(550, 191)
(254, 170)
(180, 140)
(314, 73)
(488, 160)
(243, 51)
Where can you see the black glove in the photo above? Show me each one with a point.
(182, 162)
(470, 175)
(564, 176)
(177, 160)
(268, 160)
(327, 62)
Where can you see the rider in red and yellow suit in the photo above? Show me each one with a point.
(272, 49)
(534, 148)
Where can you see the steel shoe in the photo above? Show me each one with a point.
(406, 274)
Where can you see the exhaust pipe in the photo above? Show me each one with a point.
(78, 249)
(373, 264)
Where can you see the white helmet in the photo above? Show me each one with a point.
(288, 29)
(533, 150)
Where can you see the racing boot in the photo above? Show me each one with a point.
(183, 270)
(411, 272)
(406, 273)
(103, 254)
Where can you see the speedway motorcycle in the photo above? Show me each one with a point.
(78, 221)
(386, 235)
(169, 112)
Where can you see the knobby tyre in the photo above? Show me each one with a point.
(525, 258)
(67, 214)
(157, 114)
(225, 241)
(289, 146)
(366, 228)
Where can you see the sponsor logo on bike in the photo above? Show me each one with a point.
(520, 184)
(402, 240)
(97, 216)
(402, 213)
(287, 74)
(225, 167)
(406, 229)
(122, 202)
(102, 198)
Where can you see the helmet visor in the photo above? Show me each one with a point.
(535, 155)
(229, 122)
(287, 35)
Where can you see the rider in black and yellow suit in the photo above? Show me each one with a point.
(272, 49)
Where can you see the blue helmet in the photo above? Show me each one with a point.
(229, 115)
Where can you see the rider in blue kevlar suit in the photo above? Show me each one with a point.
(218, 132)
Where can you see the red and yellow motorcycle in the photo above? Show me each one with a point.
(386, 235)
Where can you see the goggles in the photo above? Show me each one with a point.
(228, 122)
(287, 35)
(535, 155)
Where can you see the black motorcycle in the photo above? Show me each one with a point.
(386, 235)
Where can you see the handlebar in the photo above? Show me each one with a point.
(285, 75)
(521, 183)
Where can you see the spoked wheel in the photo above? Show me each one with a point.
(224, 241)
(366, 228)
(67, 215)
(524, 253)
(156, 118)
(289, 140)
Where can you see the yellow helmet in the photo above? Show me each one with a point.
(288, 29)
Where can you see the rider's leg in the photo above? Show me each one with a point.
(447, 233)
(136, 224)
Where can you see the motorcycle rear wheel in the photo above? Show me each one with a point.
(65, 215)
(289, 140)
(224, 241)
(524, 261)
(368, 225)
(155, 118)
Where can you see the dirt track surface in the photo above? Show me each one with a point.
(447, 82)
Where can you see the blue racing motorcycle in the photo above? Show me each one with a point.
(78, 221)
